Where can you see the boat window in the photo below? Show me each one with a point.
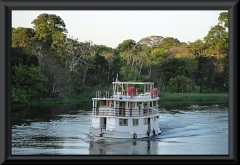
(111, 104)
(123, 122)
(139, 104)
(131, 104)
(103, 103)
(145, 104)
(135, 122)
(145, 121)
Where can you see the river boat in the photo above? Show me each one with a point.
(130, 111)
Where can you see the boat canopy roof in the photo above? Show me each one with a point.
(150, 83)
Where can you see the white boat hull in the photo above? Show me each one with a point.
(103, 134)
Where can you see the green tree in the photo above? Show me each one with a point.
(59, 80)
(48, 27)
(141, 63)
(223, 19)
(128, 73)
(197, 48)
(113, 61)
(49, 35)
(162, 51)
(97, 75)
(126, 45)
(23, 37)
(158, 55)
(75, 53)
(27, 83)
(126, 52)
(180, 84)
(151, 41)
(20, 56)
(76, 82)
(133, 56)
(217, 52)
(173, 67)
(216, 42)
(169, 42)
(182, 53)
(212, 56)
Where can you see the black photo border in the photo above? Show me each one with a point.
(6, 6)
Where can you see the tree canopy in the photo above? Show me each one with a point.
(48, 63)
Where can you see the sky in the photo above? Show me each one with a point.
(110, 28)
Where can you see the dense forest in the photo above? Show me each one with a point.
(46, 62)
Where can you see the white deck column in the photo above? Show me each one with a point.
(94, 105)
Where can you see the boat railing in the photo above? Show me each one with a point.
(102, 94)
(124, 112)
(124, 95)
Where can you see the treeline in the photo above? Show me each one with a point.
(48, 63)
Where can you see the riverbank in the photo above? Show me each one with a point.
(87, 98)
(219, 97)
(78, 99)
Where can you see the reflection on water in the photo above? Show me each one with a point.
(121, 147)
(64, 130)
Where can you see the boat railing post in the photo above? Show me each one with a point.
(97, 110)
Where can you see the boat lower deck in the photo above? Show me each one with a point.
(103, 133)
(125, 127)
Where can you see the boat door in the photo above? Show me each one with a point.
(122, 108)
(103, 122)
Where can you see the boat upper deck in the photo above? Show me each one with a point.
(139, 83)
(130, 91)
(146, 97)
